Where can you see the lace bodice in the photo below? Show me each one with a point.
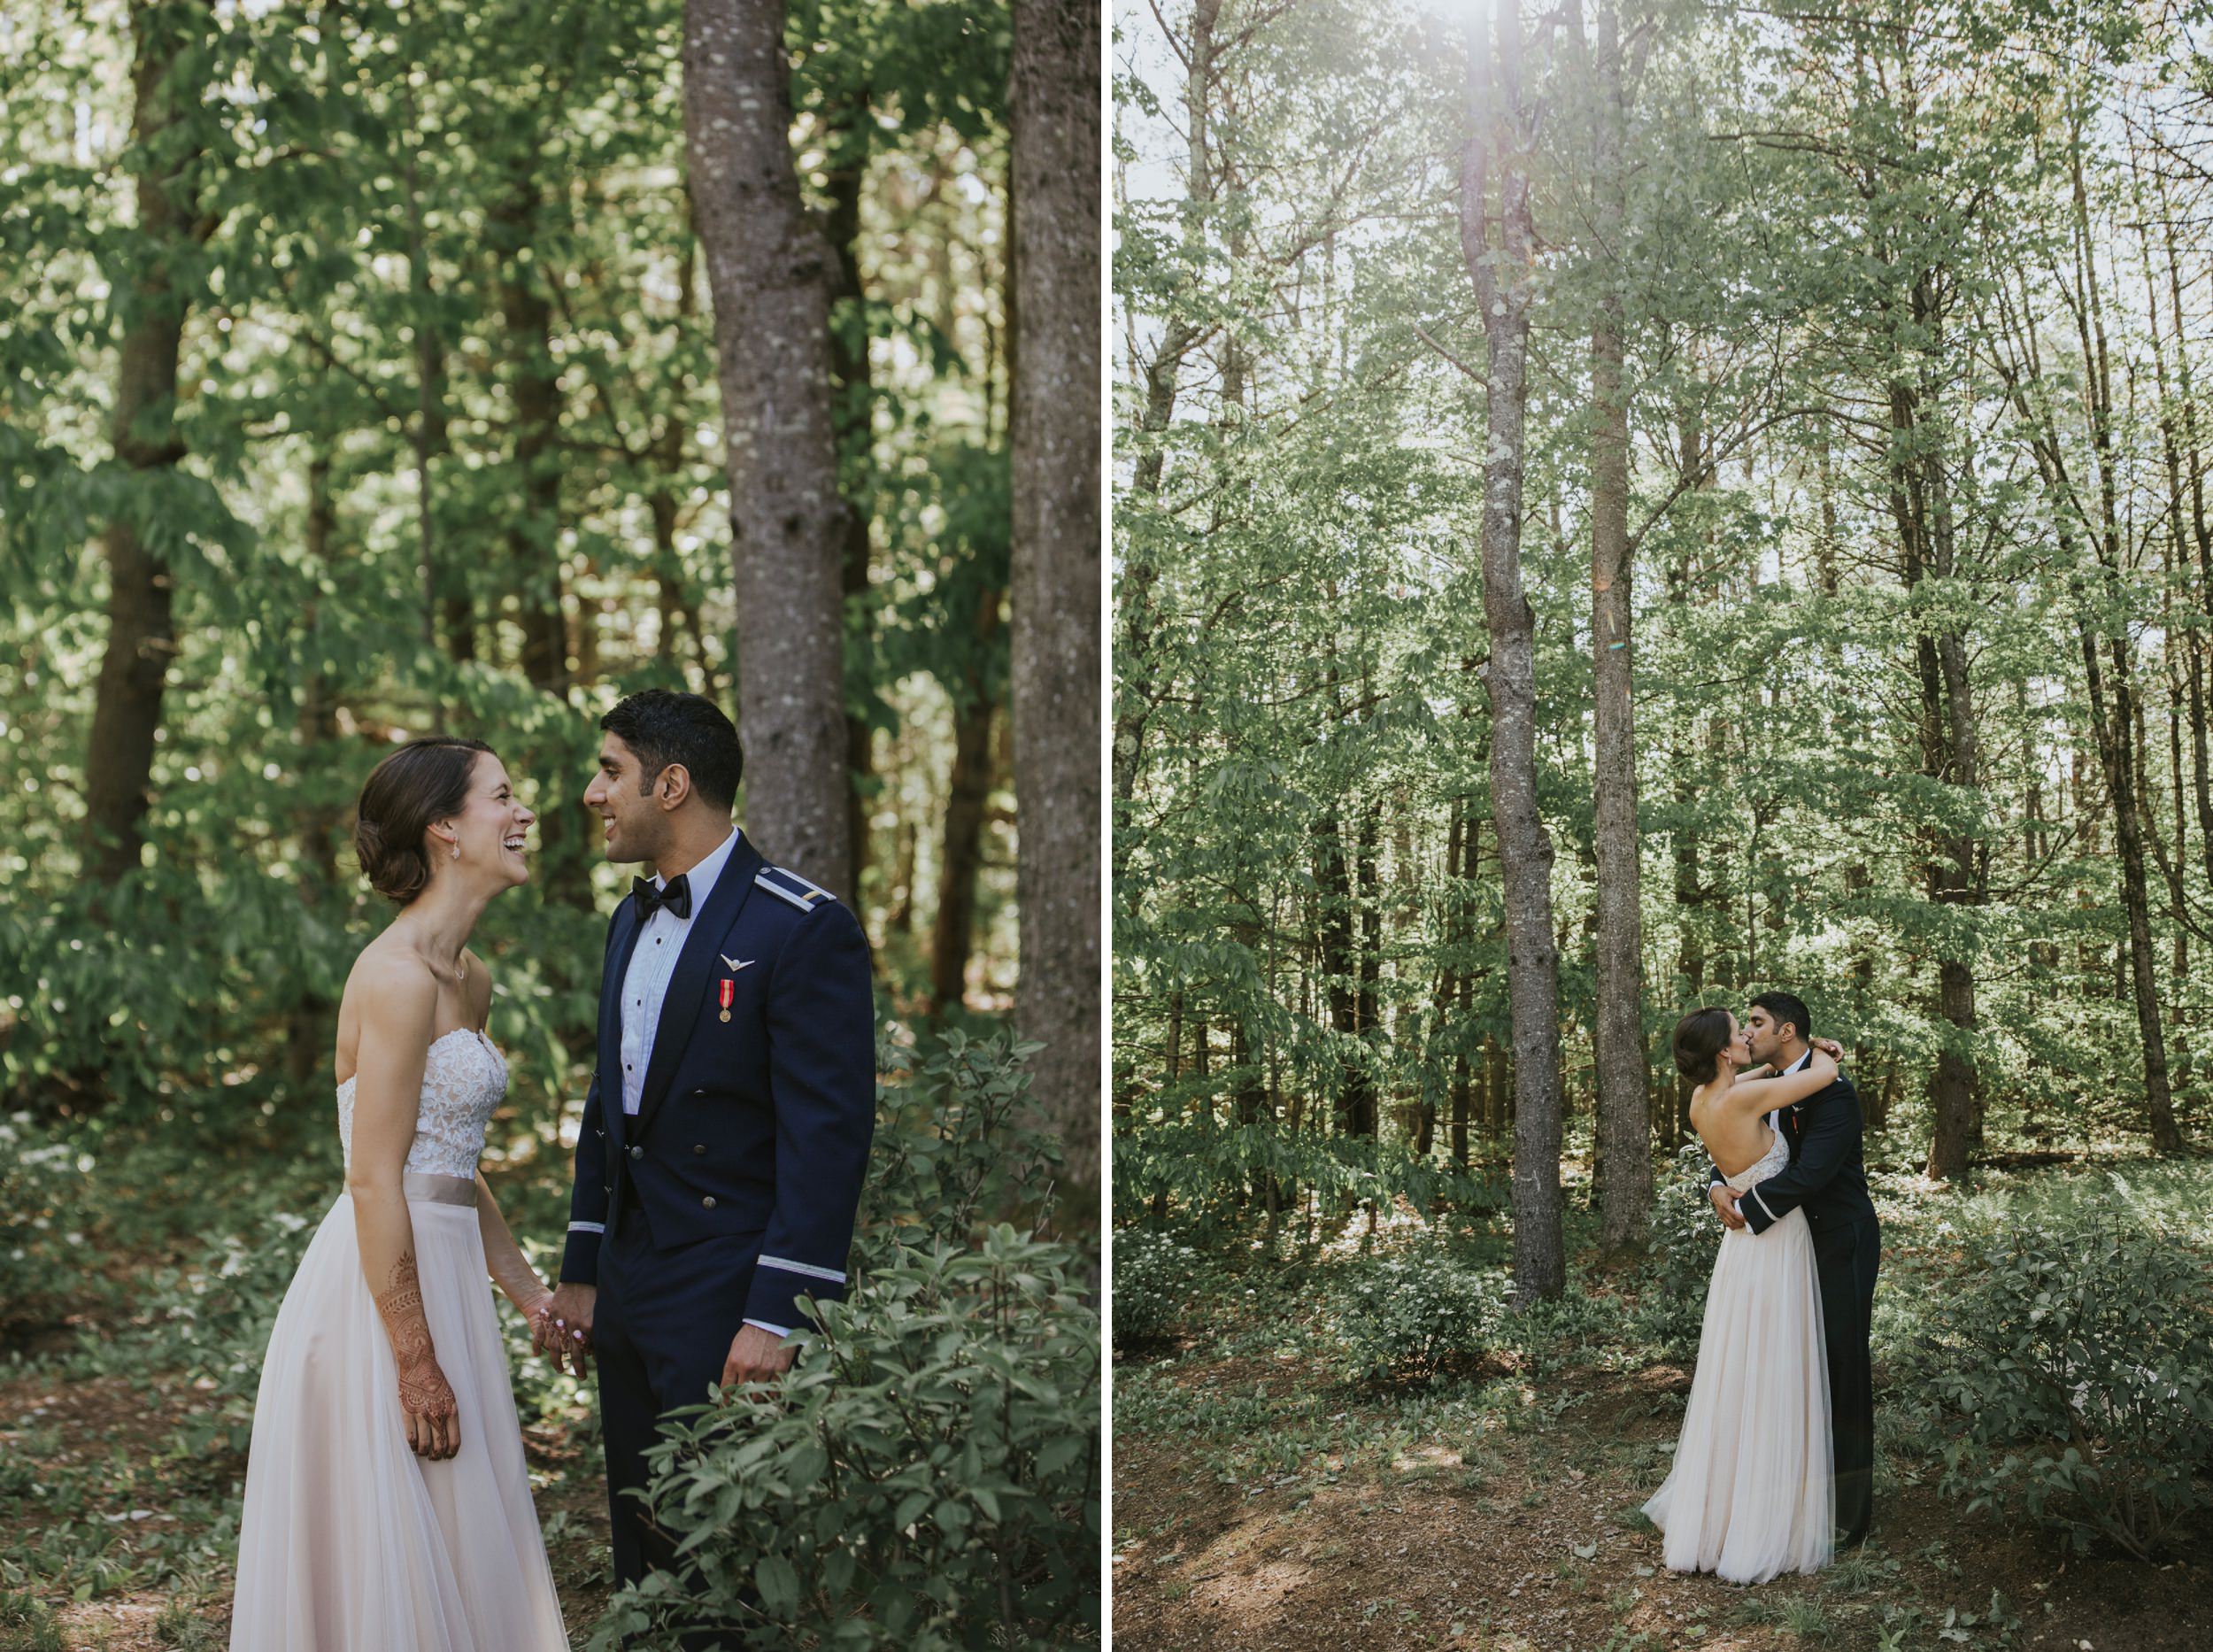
(463, 1079)
(1768, 1164)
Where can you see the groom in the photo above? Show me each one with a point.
(1826, 1178)
(727, 1131)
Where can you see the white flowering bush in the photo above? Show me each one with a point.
(43, 1187)
(211, 1319)
(1415, 1318)
(1153, 1276)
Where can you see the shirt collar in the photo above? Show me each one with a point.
(1803, 1063)
(700, 879)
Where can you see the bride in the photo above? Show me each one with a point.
(1751, 1491)
(387, 1507)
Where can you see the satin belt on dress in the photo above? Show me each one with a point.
(442, 1190)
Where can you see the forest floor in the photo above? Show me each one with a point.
(1262, 1501)
(96, 1474)
(124, 1407)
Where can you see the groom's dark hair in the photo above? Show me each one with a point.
(664, 728)
(1787, 1007)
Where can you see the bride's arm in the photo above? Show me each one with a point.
(399, 1004)
(1760, 1095)
(510, 1268)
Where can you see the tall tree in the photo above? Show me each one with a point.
(169, 41)
(1625, 1157)
(770, 271)
(1500, 140)
(1053, 105)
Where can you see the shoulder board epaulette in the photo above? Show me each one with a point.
(791, 887)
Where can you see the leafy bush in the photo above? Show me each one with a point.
(954, 1150)
(1680, 1241)
(2080, 1362)
(1153, 1280)
(926, 1474)
(927, 1477)
(1414, 1317)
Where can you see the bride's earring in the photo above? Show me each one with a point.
(457, 851)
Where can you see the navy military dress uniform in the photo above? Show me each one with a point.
(730, 1192)
(1827, 1178)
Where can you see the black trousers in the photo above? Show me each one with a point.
(1847, 1255)
(662, 1325)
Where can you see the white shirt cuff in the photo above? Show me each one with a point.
(782, 1331)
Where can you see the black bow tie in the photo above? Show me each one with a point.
(676, 897)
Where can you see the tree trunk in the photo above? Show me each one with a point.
(1499, 143)
(1053, 102)
(1920, 508)
(142, 637)
(1625, 1182)
(1133, 692)
(1333, 882)
(309, 1029)
(853, 395)
(1366, 1004)
(2119, 751)
(768, 270)
(969, 794)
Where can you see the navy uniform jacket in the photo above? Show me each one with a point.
(758, 1125)
(1827, 1174)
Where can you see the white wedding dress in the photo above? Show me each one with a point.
(1752, 1492)
(349, 1542)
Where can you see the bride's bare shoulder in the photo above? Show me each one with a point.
(389, 979)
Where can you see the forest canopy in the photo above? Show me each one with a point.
(1860, 446)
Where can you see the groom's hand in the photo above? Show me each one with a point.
(1724, 1198)
(756, 1355)
(562, 1330)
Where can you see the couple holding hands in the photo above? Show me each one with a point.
(718, 1170)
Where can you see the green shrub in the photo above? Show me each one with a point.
(2079, 1359)
(1414, 1317)
(1153, 1280)
(1681, 1238)
(955, 1149)
(926, 1476)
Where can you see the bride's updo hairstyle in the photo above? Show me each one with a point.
(1700, 1037)
(424, 780)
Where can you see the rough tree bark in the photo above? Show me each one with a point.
(1498, 143)
(769, 272)
(1053, 102)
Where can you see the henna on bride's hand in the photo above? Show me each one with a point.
(425, 1395)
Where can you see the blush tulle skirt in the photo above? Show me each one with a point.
(1752, 1492)
(349, 1542)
